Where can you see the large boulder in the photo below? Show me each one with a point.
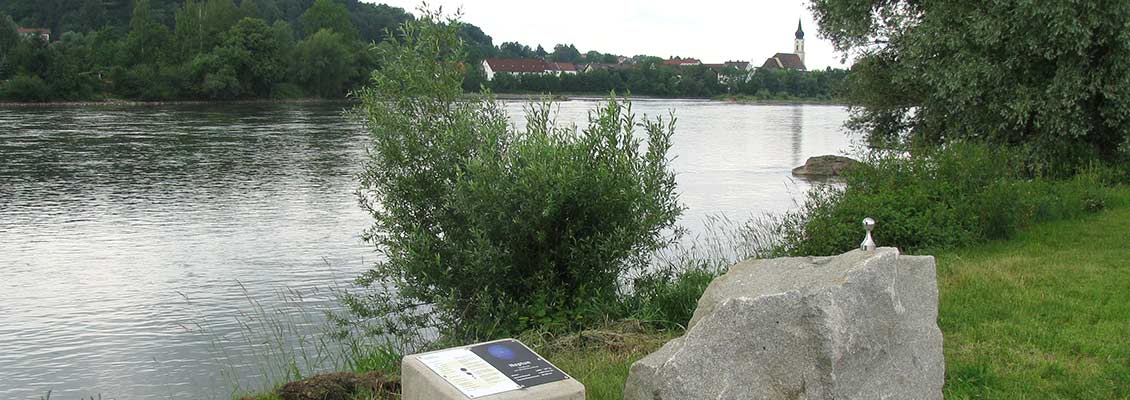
(825, 166)
(862, 325)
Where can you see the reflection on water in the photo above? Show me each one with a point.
(120, 227)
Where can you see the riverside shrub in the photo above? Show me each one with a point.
(939, 198)
(485, 230)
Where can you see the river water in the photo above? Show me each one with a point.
(135, 241)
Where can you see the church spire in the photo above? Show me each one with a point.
(798, 47)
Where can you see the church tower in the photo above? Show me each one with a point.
(799, 45)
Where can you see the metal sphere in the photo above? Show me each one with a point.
(868, 224)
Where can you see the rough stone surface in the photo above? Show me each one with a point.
(862, 325)
(825, 166)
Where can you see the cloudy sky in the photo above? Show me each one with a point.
(711, 30)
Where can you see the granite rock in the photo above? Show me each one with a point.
(862, 325)
(825, 166)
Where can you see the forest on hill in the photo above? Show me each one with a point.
(156, 50)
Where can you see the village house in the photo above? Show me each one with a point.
(29, 33)
(527, 66)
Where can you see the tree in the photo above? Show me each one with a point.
(326, 14)
(9, 38)
(69, 73)
(565, 53)
(147, 39)
(479, 45)
(253, 53)
(200, 26)
(373, 21)
(248, 9)
(323, 64)
(1049, 77)
(491, 231)
(513, 50)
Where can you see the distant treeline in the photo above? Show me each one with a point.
(652, 78)
(256, 49)
(193, 49)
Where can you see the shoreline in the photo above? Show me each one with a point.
(499, 96)
(133, 103)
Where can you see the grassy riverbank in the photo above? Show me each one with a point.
(1042, 315)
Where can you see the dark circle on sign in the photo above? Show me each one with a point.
(501, 352)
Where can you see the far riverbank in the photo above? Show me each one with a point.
(499, 96)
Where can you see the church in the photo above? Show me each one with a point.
(794, 60)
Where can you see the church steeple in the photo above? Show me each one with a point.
(798, 47)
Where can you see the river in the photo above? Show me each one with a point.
(133, 237)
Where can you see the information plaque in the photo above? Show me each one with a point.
(519, 363)
(492, 368)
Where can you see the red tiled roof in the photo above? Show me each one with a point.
(685, 61)
(518, 65)
(785, 61)
(561, 67)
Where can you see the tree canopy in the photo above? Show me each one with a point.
(1050, 77)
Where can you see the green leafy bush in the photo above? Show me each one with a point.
(490, 231)
(946, 197)
(25, 88)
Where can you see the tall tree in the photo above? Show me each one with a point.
(326, 14)
(511, 50)
(200, 26)
(1050, 76)
(254, 54)
(565, 53)
(478, 45)
(147, 39)
(322, 64)
(249, 9)
(9, 38)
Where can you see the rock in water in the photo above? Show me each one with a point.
(825, 166)
(862, 325)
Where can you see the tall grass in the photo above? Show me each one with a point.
(288, 338)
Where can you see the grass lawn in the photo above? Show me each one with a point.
(1046, 315)
(1043, 316)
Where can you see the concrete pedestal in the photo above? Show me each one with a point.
(419, 381)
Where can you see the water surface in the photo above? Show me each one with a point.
(126, 230)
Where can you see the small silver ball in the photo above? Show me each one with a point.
(868, 224)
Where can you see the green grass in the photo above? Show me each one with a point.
(602, 364)
(1045, 315)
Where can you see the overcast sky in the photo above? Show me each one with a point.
(711, 30)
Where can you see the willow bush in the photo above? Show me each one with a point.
(485, 230)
